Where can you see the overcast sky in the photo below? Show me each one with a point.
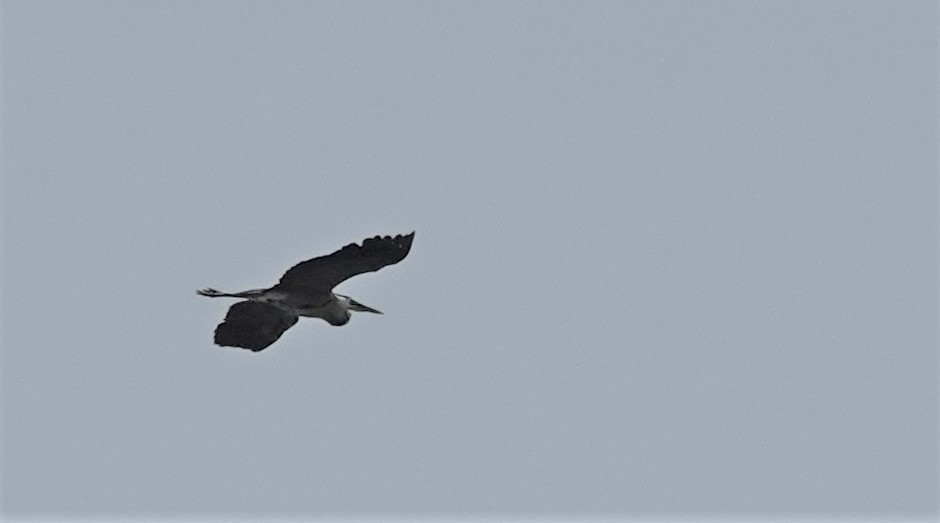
(672, 260)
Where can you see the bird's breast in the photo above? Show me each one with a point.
(331, 311)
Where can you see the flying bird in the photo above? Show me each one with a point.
(306, 289)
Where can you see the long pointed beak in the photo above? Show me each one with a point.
(356, 306)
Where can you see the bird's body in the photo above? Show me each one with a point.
(306, 290)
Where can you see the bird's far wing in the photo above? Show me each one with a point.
(328, 271)
(253, 325)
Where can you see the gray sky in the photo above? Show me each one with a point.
(673, 259)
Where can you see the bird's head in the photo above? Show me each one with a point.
(354, 305)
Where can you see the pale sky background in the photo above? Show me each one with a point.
(673, 259)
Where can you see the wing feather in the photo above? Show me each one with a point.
(253, 325)
(323, 273)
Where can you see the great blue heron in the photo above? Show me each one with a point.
(306, 289)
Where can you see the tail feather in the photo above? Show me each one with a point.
(249, 294)
(211, 293)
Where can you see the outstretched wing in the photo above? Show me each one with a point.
(321, 274)
(253, 325)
